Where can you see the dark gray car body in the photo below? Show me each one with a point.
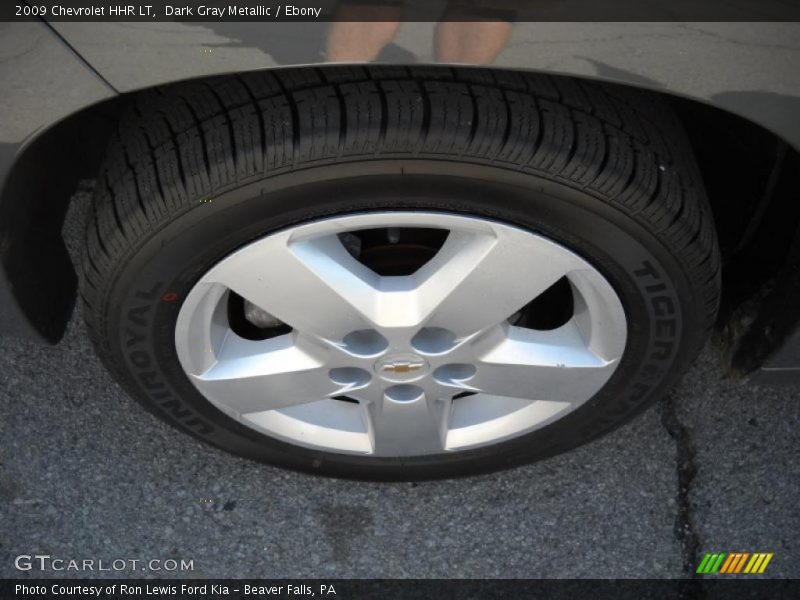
(52, 72)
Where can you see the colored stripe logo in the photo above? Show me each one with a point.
(734, 563)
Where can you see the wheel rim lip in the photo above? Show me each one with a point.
(293, 425)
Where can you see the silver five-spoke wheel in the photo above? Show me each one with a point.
(452, 354)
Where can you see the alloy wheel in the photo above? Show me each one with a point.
(456, 352)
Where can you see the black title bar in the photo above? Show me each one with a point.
(402, 10)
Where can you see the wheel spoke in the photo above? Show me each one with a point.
(256, 376)
(478, 280)
(407, 422)
(314, 286)
(539, 365)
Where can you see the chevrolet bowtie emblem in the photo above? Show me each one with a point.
(403, 367)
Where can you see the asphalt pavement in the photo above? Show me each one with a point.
(85, 473)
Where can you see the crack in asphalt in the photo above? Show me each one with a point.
(686, 467)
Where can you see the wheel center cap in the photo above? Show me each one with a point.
(401, 367)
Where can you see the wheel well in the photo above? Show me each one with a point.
(751, 178)
(750, 175)
(33, 204)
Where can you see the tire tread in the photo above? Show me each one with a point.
(181, 145)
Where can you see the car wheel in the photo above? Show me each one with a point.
(396, 273)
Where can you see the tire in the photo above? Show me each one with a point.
(198, 171)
